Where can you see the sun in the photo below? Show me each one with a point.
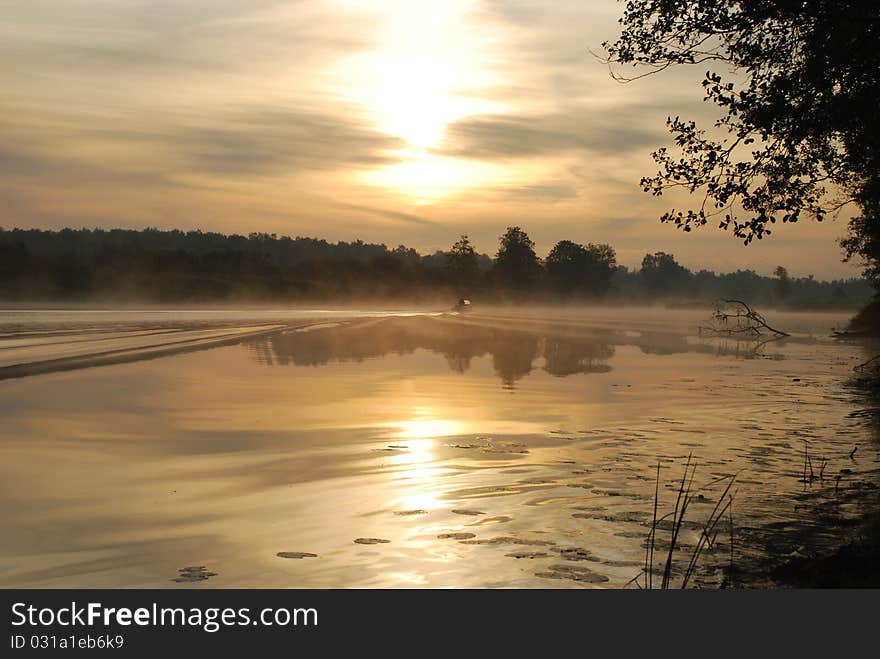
(429, 69)
(414, 98)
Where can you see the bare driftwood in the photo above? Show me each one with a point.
(736, 318)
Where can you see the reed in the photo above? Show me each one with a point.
(709, 531)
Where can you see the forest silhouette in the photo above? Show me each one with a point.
(158, 266)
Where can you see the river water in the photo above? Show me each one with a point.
(500, 448)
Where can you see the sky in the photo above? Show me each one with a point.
(396, 121)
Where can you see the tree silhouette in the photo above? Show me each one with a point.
(798, 135)
(462, 265)
(516, 263)
(783, 283)
(602, 264)
(661, 272)
(574, 268)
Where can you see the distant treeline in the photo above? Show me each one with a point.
(176, 266)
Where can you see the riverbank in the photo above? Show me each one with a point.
(855, 564)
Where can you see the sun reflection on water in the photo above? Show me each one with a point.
(420, 429)
(415, 470)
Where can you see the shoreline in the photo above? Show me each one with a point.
(854, 564)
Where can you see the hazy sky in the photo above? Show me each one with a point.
(392, 121)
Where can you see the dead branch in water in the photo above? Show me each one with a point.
(736, 318)
(869, 366)
(868, 372)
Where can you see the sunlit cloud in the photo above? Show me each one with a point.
(387, 120)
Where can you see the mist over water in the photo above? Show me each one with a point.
(504, 447)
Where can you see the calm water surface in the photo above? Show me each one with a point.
(497, 449)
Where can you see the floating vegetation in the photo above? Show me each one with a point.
(527, 554)
(634, 516)
(295, 554)
(456, 536)
(193, 573)
(371, 541)
(508, 540)
(572, 572)
(575, 554)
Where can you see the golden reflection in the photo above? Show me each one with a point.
(408, 578)
(417, 452)
(419, 500)
(226, 462)
(417, 474)
(427, 428)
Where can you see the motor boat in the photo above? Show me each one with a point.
(463, 304)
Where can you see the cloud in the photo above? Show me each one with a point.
(121, 39)
(249, 141)
(159, 90)
(550, 192)
(279, 141)
(41, 164)
(399, 216)
(511, 136)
